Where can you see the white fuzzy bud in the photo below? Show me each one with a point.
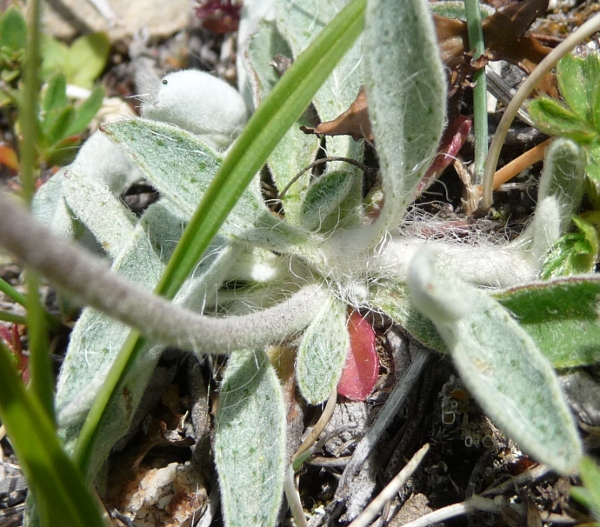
(199, 103)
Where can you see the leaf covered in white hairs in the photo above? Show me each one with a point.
(199, 103)
(499, 363)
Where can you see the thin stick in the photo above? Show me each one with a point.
(390, 490)
(586, 30)
(390, 409)
(458, 509)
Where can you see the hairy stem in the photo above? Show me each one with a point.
(90, 280)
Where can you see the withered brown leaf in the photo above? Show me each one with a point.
(505, 38)
(353, 122)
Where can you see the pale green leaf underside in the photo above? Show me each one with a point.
(322, 352)
(299, 23)
(103, 213)
(250, 441)
(560, 315)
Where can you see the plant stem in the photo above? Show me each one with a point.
(480, 119)
(586, 30)
(90, 280)
(40, 367)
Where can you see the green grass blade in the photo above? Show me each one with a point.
(58, 488)
(41, 380)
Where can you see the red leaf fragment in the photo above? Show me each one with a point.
(362, 364)
(452, 141)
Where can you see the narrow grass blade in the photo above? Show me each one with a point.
(59, 490)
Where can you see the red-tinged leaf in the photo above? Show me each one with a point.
(8, 157)
(362, 365)
(452, 141)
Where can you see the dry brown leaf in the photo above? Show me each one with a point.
(353, 122)
(504, 34)
(505, 38)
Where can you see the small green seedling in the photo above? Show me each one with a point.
(13, 39)
(82, 62)
(578, 118)
(61, 121)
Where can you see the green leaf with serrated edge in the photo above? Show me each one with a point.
(322, 352)
(561, 315)
(96, 339)
(321, 208)
(590, 477)
(103, 213)
(573, 253)
(406, 89)
(578, 79)
(86, 111)
(553, 118)
(13, 29)
(296, 149)
(499, 363)
(250, 448)
(87, 58)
